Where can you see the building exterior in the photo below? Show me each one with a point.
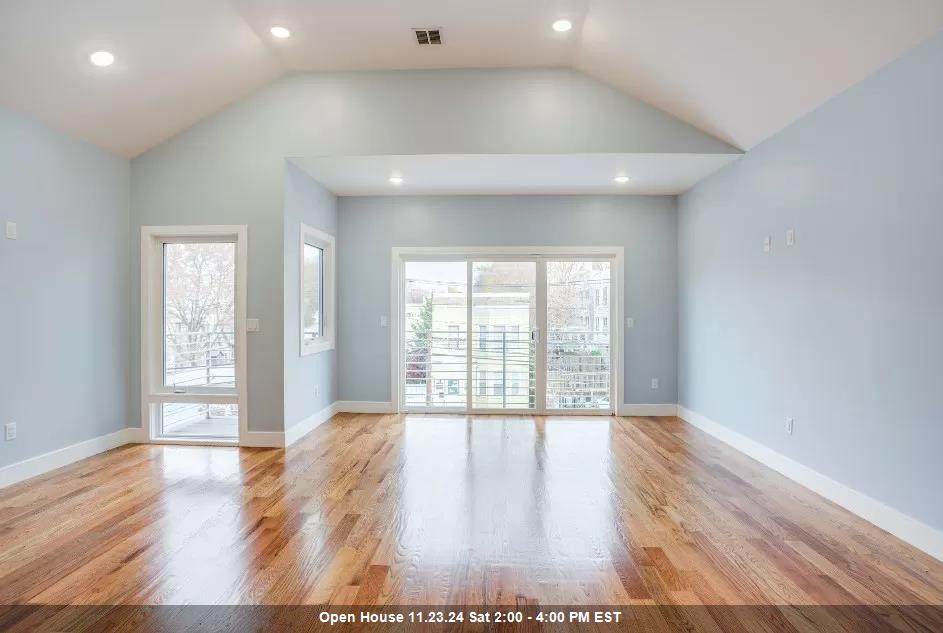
(503, 349)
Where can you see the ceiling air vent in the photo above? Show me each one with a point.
(428, 36)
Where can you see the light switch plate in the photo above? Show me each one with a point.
(629, 323)
(11, 230)
(384, 321)
(252, 325)
(9, 431)
(790, 237)
(767, 244)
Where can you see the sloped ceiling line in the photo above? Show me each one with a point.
(740, 71)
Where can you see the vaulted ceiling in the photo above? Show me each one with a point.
(738, 69)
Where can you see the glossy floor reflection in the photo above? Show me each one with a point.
(447, 509)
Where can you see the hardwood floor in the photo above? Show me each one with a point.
(433, 510)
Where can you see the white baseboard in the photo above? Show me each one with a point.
(354, 406)
(648, 410)
(298, 431)
(35, 466)
(901, 525)
(135, 435)
(263, 439)
(363, 406)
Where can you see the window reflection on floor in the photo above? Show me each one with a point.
(514, 488)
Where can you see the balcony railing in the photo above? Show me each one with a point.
(201, 358)
(504, 369)
(578, 371)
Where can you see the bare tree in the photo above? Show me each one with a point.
(199, 304)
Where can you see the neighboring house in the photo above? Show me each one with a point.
(502, 348)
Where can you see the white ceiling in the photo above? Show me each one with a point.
(176, 62)
(509, 174)
(739, 69)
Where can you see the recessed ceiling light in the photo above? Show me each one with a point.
(102, 58)
(280, 32)
(562, 26)
(396, 180)
(621, 179)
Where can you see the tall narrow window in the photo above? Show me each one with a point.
(317, 291)
(312, 296)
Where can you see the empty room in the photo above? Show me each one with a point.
(608, 315)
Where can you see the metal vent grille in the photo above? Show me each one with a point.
(428, 36)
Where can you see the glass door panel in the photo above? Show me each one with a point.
(435, 332)
(578, 355)
(503, 318)
(199, 338)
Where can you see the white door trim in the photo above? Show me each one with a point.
(617, 306)
(151, 283)
(540, 377)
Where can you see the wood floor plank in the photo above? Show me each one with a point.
(430, 509)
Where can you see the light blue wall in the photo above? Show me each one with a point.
(306, 202)
(63, 289)
(842, 331)
(369, 227)
(229, 168)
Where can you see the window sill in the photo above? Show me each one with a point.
(316, 348)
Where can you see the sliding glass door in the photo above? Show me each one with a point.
(435, 335)
(578, 353)
(504, 323)
(495, 334)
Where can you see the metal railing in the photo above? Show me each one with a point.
(199, 419)
(435, 368)
(200, 358)
(504, 369)
(578, 369)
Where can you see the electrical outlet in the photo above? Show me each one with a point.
(9, 431)
(317, 391)
(654, 383)
(384, 320)
(767, 244)
(790, 425)
(629, 323)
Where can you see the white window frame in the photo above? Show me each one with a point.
(327, 243)
(153, 392)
